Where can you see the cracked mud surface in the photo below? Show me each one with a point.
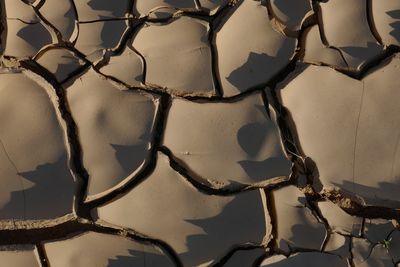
(200, 133)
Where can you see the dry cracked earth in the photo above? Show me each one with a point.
(200, 133)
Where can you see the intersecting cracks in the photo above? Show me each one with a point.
(148, 169)
(214, 188)
(69, 226)
(370, 248)
(352, 206)
(318, 215)
(388, 50)
(309, 20)
(75, 161)
(54, 31)
(71, 49)
(77, 225)
(133, 26)
(317, 10)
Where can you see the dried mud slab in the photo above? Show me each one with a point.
(61, 14)
(338, 244)
(177, 56)
(25, 40)
(378, 257)
(316, 52)
(115, 130)
(305, 259)
(19, 256)
(394, 245)
(291, 13)
(145, 133)
(25, 33)
(240, 135)
(33, 153)
(128, 67)
(243, 65)
(377, 230)
(386, 19)
(61, 62)
(103, 250)
(357, 43)
(360, 249)
(161, 8)
(200, 228)
(18, 10)
(90, 10)
(100, 35)
(339, 221)
(349, 128)
(296, 225)
(213, 6)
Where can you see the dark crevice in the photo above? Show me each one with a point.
(135, 236)
(146, 170)
(317, 213)
(203, 187)
(73, 227)
(73, 74)
(123, 43)
(42, 255)
(295, 250)
(387, 53)
(208, 188)
(105, 19)
(76, 20)
(75, 160)
(353, 207)
(47, 23)
(197, 4)
(232, 251)
(324, 40)
(271, 207)
(214, 61)
(223, 14)
(371, 22)
(84, 222)
(75, 52)
(23, 21)
(351, 259)
(130, 46)
(3, 28)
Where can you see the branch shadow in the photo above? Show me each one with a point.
(130, 157)
(242, 220)
(139, 258)
(253, 71)
(112, 32)
(251, 138)
(395, 14)
(51, 195)
(35, 35)
(112, 6)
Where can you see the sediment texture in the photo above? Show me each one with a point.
(200, 133)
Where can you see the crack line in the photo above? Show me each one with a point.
(20, 179)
